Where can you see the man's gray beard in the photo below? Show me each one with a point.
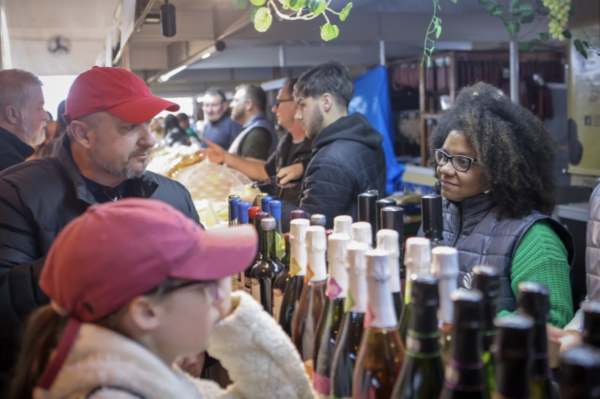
(125, 172)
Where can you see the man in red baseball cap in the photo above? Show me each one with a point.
(103, 158)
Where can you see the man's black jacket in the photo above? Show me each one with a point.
(347, 160)
(37, 199)
(12, 150)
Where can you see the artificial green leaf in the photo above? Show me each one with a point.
(584, 54)
(483, 2)
(586, 44)
(239, 4)
(578, 45)
(525, 46)
(544, 36)
(526, 9)
(263, 19)
(253, 13)
(567, 34)
(329, 32)
(528, 19)
(512, 27)
(317, 7)
(499, 10)
(344, 13)
(543, 11)
(258, 3)
(490, 9)
(438, 31)
(302, 4)
(294, 5)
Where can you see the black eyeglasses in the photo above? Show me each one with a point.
(278, 102)
(460, 163)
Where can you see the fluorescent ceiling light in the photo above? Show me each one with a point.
(170, 74)
(205, 56)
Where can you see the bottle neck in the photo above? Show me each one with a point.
(490, 310)
(541, 364)
(315, 267)
(464, 352)
(337, 283)
(297, 258)
(513, 379)
(422, 340)
(380, 308)
(394, 266)
(357, 291)
(446, 286)
(268, 244)
(286, 263)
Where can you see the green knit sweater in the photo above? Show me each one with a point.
(542, 257)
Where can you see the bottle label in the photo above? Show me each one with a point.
(294, 268)
(308, 366)
(333, 289)
(277, 301)
(422, 346)
(356, 297)
(279, 245)
(309, 274)
(349, 302)
(407, 290)
(322, 384)
(255, 290)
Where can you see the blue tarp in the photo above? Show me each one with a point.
(372, 99)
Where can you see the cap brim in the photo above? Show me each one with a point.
(222, 253)
(142, 110)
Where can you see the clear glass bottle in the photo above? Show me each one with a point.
(387, 240)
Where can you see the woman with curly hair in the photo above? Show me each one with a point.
(494, 161)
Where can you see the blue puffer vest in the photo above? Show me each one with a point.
(481, 238)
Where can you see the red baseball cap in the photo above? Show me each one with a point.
(116, 91)
(119, 250)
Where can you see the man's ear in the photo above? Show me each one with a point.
(327, 102)
(144, 313)
(11, 114)
(248, 104)
(80, 132)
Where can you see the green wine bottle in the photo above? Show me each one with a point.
(534, 301)
(294, 286)
(275, 210)
(422, 374)
(281, 281)
(514, 355)
(387, 240)
(580, 368)
(392, 217)
(487, 281)
(351, 331)
(464, 373)
(418, 261)
(329, 325)
(381, 351)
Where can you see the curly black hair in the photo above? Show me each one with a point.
(513, 146)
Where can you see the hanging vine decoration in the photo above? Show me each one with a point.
(294, 10)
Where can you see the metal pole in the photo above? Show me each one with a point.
(382, 53)
(514, 67)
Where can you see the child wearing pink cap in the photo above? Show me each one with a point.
(134, 285)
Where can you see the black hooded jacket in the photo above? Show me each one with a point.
(347, 160)
(37, 200)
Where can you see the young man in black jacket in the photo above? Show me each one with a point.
(103, 158)
(347, 156)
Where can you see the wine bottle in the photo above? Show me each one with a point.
(580, 368)
(379, 205)
(259, 198)
(329, 324)
(252, 212)
(318, 220)
(294, 286)
(264, 204)
(422, 374)
(367, 210)
(392, 218)
(514, 356)
(444, 266)
(591, 323)
(297, 214)
(313, 297)
(343, 225)
(281, 280)
(381, 352)
(431, 213)
(418, 260)
(534, 301)
(346, 348)
(388, 241)
(362, 232)
(243, 208)
(464, 372)
(233, 209)
(487, 281)
(263, 273)
(258, 218)
(275, 208)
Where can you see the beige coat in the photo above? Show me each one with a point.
(260, 358)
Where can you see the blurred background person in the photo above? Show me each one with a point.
(219, 127)
(184, 123)
(174, 134)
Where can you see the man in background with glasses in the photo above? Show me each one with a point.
(293, 148)
(103, 158)
(219, 127)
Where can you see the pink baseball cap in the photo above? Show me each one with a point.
(119, 250)
(114, 90)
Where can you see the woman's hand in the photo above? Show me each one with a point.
(562, 339)
(289, 173)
